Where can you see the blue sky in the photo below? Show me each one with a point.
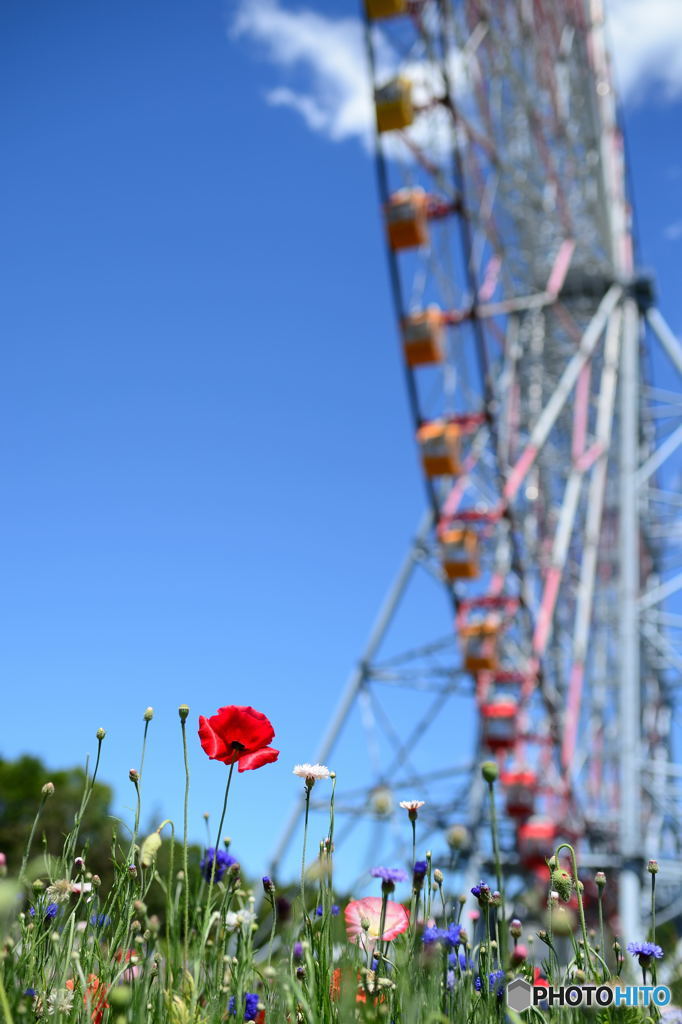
(208, 470)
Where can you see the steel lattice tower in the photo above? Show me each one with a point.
(534, 358)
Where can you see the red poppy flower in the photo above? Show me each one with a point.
(96, 995)
(238, 734)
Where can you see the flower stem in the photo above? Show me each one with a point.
(185, 842)
(305, 840)
(581, 909)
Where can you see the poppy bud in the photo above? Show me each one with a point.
(600, 879)
(96, 881)
(515, 928)
(149, 849)
(438, 876)
(490, 771)
(134, 775)
(563, 884)
(48, 789)
(183, 711)
(148, 715)
(100, 734)
(652, 867)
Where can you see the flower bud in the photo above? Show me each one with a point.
(364, 924)
(562, 883)
(579, 977)
(268, 885)
(140, 907)
(600, 879)
(96, 881)
(132, 870)
(515, 928)
(38, 886)
(79, 863)
(490, 771)
(438, 876)
(149, 849)
(148, 715)
(457, 837)
(183, 711)
(652, 867)
(48, 789)
(134, 775)
(100, 734)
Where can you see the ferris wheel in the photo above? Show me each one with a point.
(544, 390)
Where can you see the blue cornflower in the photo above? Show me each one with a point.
(223, 860)
(333, 909)
(432, 934)
(51, 909)
(647, 952)
(100, 920)
(250, 1006)
(481, 892)
(298, 951)
(389, 874)
(463, 962)
(418, 874)
(449, 936)
(495, 983)
(30, 992)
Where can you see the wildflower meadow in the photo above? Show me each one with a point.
(222, 946)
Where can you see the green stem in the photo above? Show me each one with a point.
(653, 924)
(214, 862)
(32, 833)
(581, 909)
(185, 843)
(305, 840)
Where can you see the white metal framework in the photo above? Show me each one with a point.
(544, 387)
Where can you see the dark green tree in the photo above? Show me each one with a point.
(21, 782)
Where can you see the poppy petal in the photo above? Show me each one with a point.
(211, 742)
(397, 919)
(247, 762)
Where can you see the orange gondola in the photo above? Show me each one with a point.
(423, 334)
(406, 220)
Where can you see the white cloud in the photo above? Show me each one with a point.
(673, 232)
(645, 38)
(335, 99)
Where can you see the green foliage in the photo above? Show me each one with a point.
(119, 952)
(21, 782)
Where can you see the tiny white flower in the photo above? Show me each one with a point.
(411, 805)
(79, 887)
(238, 919)
(311, 772)
(59, 1001)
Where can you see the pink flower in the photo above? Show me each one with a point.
(79, 887)
(519, 954)
(397, 919)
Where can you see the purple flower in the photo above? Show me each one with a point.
(31, 992)
(250, 1006)
(389, 874)
(319, 911)
(647, 952)
(482, 893)
(51, 909)
(298, 951)
(268, 885)
(223, 860)
(449, 936)
(334, 910)
(100, 920)
(495, 983)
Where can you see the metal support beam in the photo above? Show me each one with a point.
(359, 675)
(629, 703)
